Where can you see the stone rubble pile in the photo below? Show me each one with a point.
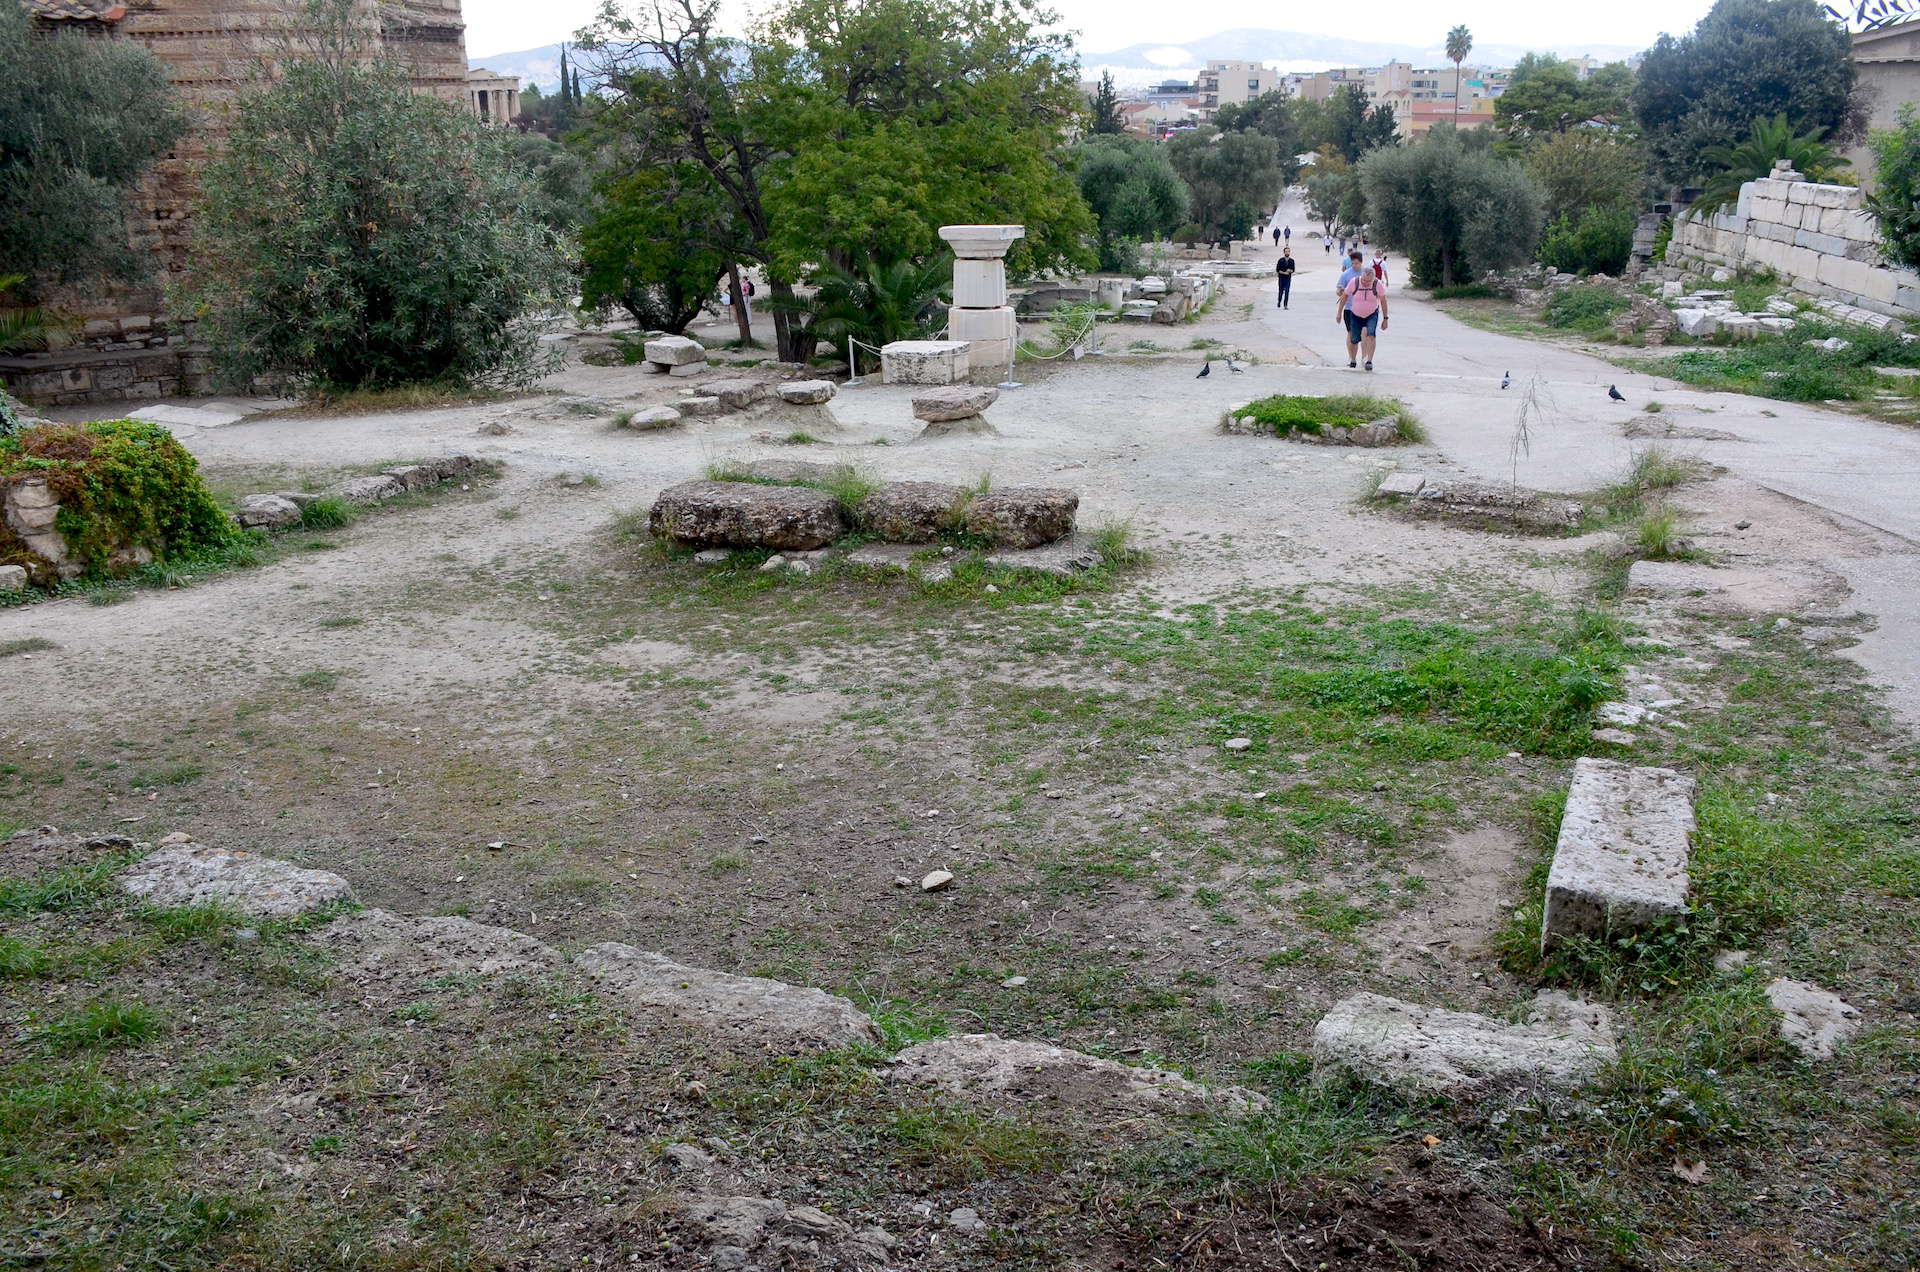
(674, 355)
(1481, 504)
(284, 508)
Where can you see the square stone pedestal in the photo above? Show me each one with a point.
(991, 332)
(925, 362)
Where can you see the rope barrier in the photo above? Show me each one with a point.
(1070, 347)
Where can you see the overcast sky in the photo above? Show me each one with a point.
(506, 26)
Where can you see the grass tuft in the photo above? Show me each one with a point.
(329, 513)
(104, 1022)
(1283, 414)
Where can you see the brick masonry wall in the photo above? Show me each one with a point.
(1816, 238)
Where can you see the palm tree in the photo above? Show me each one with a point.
(25, 328)
(1767, 141)
(1459, 44)
(874, 304)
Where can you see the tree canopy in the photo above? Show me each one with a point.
(1234, 176)
(1546, 97)
(358, 234)
(80, 120)
(1134, 193)
(1103, 108)
(1588, 169)
(1746, 60)
(1452, 205)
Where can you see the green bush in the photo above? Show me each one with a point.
(1188, 234)
(1283, 414)
(1584, 307)
(1465, 291)
(1600, 241)
(123, 487)
(1895, 200)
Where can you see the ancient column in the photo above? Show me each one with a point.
(980, 314)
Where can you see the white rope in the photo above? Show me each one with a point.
(1072, 346)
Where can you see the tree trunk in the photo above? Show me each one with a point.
(739, 296)
(787, 336)
(1446, 267)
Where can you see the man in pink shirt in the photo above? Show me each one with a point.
(1363, 308)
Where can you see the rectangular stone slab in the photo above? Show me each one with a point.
(1621, 859)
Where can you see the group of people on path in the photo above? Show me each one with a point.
(1361, 293)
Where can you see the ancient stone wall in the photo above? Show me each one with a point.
(1817, 238)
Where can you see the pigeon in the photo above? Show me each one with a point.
(1234, 367)
(1206, 370)
(1506, 378)
(1614, 393)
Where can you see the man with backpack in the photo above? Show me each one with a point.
(1285, 271)
(1362, 309)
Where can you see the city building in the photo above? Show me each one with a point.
(1231, 83)
(1889, 64)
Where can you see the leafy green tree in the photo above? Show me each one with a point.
(1452, 205)
(1585, 168)
(843, 137)
(1767, 141)
(1598, 239)
(562, 184)
(1549, 97)
(80, 121)
(1895, 197)
(1459, 44)
(1233, 177)
(1326, 192)
(1746, 60)
(656, 245)
(356, 233)
(1134, 193)
(1294, 125)
(1103, 111)
(1353, 127)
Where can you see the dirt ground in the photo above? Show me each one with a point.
(751, 773)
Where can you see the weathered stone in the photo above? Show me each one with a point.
(739, 1011)
(912, 511)
(1395, 1043)
(1062, 558)
(1488, 505)
(267, 512)
(806, 392)
(936, 880)
(687, 369)
(955, 402)
(1401, 484)
(674, 351)
(700, 406)
(735, 395)
(883, 556)
(1022, 516)
(31, 492)
(1621, 860)
(1812, 1020)
(925, 362)
(713, 556)
(651, 418)
(731, 514)
(378, 945)
(367, 490)
(786, 470)
(197, 874)
(1014, 1073)
(13, 578)
(1699, 323)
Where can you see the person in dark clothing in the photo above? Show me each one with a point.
(1285, 270)
(1276, 236)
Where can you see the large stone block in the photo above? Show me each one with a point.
(674, 351)
(806, 392)
(1832, 196)
(954, 402)
(1699, 323)
(196, 874)
(990, 333)
(925, 362)
(1394, 1043)
(741, 1012)
(1620, 863)
(13, 578)
(735, 395)
(732, 514)
(979, 284)
(1023, 516)
(912, 511)
(1011, 1073)
(267, 512)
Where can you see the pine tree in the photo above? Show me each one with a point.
(566, 81)
(1105, 107)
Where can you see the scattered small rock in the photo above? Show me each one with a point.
(1238, 744)
(935, 880)
(967, 1219)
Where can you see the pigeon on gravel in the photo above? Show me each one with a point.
(1206, 370)
(1234, 367)
(1506, 378)
(1614, 392)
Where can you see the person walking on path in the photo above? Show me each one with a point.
(1329, 245)
(1276, 236)
(1380, 265)
(1351, 270)
(1285, 271)
(1363, 308)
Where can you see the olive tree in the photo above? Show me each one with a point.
(1452, 205)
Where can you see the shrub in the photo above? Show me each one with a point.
(122, 486)
(1585, 307)
(329, 513)
(1465, 291)
(1189, 234)
(1600, 241)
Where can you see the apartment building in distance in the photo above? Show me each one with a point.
(1226, 82)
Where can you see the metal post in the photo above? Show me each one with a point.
(1013, 349)
(853, 368)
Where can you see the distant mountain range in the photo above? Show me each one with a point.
(1298, 50)
(1292, 50)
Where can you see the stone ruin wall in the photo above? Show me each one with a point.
(130, 347)
(1817, 238)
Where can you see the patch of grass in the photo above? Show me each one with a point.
(26, 645)
(1656, 535)
(20, 959)
(1113, 540)
(802, 439)
(104, 1022)
(67, 888)
(327, 513)
(1653, 408)
(1465, 291)
(194, 922)
(176, 774)
(1652, 470)
(320, 679)
(333, 622)
(962, 1146)
(1284, 413)
(1586, 307)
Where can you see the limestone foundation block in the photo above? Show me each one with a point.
(806, 392)
(196, 874)
(1396, 1043)
(1621, 859)
(1012, 1073)
(990, 332)
(955, 402)
(674, 351)
(926, 362)
(979, 284)
(741, 1011)
(731, 514)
